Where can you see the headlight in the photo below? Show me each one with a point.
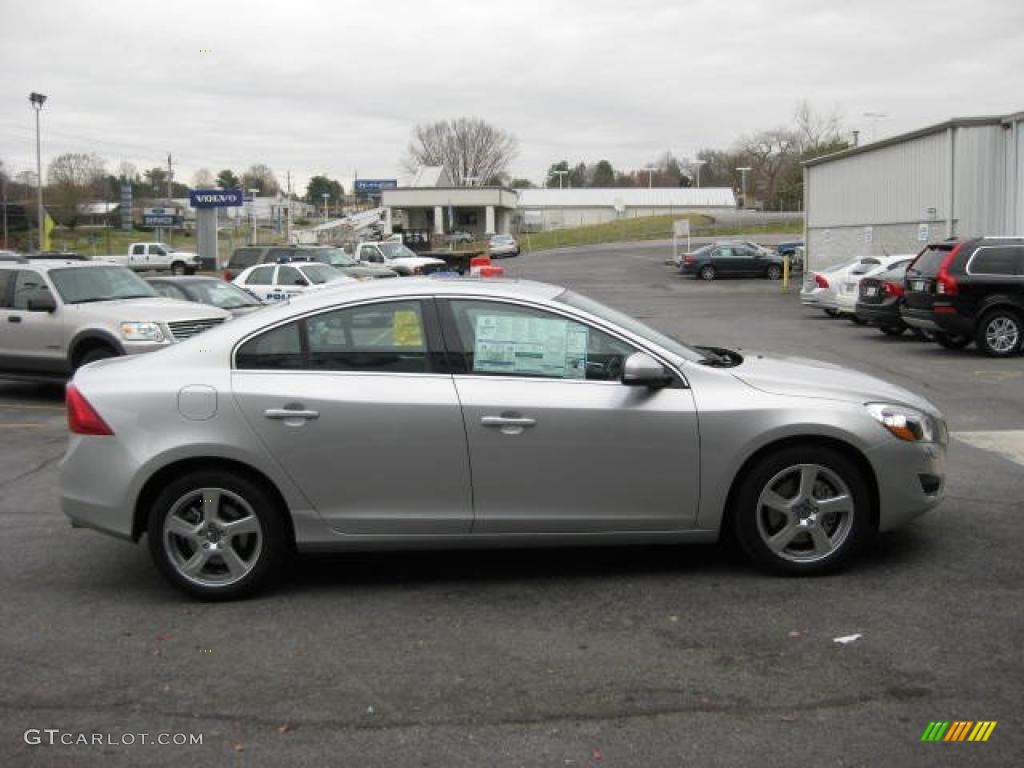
(141, 332)
(417, 270)
(909, 424)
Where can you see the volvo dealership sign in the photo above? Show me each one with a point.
(215, 198)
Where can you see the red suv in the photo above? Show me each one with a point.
(969, 290)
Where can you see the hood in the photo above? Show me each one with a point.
(367, 270)
(802, 377)
(157, 309)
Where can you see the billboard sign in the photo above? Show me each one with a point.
(159, 220)
(215, 198)
(365, 187)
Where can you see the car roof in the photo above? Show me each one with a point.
(54, 263)
(183, 278)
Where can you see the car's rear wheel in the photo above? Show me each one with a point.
(999, 333)
(178, 268)
(856, 320)
(802, 510)
(707, 272)
(831, 312)
(893, 330)
(951, 340)
(774, 272)
(216, 535)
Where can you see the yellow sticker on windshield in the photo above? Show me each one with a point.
(406, 330)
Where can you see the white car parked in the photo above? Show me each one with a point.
(279, 282)
(849, 283)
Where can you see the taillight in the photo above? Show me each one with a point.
(226, 276)
(820, 280)
(892, 289)
(688, 259)
(944, 282)
(82, 417)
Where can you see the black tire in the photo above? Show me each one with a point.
(1000, 333)
(922, 335)
(774, 272)
(190, 270)
(707, 272)
(950, 340)
(893, 330)
(178, 268)
(101, 352)
(782, 470)
(238, 498)
(856, 320)
(831, 312)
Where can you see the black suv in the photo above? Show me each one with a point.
(969, 290)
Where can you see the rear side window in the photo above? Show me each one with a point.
(244, 257)
(930, 260)
(290, 276)
(1000, 260)
(279, 348)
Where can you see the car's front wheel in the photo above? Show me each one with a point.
(999, 333)
(216, 535)
(774, 272)
(802, 510)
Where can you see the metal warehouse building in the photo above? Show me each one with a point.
(963, 177)
(563, 208)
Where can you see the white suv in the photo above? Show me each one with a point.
(57, 315)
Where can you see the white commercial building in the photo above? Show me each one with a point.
(959, 178)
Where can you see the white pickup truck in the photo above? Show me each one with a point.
(143, 257)
(398, 257)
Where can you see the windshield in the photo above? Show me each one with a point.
(221, 294)
(630, 324)
(77, 286)
(930, 260)
(335, 257)
(395, 251)
(321, 273)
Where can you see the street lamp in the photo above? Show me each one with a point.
(38, 99)
(743, 172)
(325, 196)
(560, 174)
(874, 121)
(698, 164)
(252, 213)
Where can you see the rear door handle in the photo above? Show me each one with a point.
(288, 413)
(507, 421)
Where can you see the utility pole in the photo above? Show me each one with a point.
(38, 99)
(560, 174)
(3, 194)
(743, 171)
(170, 178)
(288, 213)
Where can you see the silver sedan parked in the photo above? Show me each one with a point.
(437, 413)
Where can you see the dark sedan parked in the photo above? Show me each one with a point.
(207, 290)
(880, 298)
(731, 260)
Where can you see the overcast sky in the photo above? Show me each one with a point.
(336, 87)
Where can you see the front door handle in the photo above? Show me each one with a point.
(288, 413)
(507, 421)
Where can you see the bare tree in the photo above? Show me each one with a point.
(261, 177)
(814, 130)
(202, 178)
(126, 171)
(74, 178)
(769, 154)
(467, 147)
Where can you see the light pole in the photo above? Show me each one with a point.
(650, 176)
(698, 163)
(325, 196)
(560, 174)
(252, 213)
(874, 122)
(743, 174)
(38, 99)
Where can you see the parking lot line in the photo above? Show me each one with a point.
(1008, 443)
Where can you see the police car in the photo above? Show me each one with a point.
(278, 282)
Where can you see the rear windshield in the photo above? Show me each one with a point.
(930, 260)
(865, 266)
(895, 273)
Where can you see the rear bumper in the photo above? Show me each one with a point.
(879, 314)
(929, 320)
(819, 301)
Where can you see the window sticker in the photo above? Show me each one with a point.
(406, 330)
(530, 345)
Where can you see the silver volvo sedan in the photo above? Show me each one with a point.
(447, 413)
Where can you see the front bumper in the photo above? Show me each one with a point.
(911, 479)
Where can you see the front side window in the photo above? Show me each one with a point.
(388, 337)
(290, 276)
(260, 276)
(510, 340)
(29, 285)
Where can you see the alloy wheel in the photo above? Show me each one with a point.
(1002, 334)
(805, 513)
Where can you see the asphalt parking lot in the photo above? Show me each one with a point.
(653, 656)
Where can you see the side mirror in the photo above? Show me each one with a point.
(44, 303)
(642, 370)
